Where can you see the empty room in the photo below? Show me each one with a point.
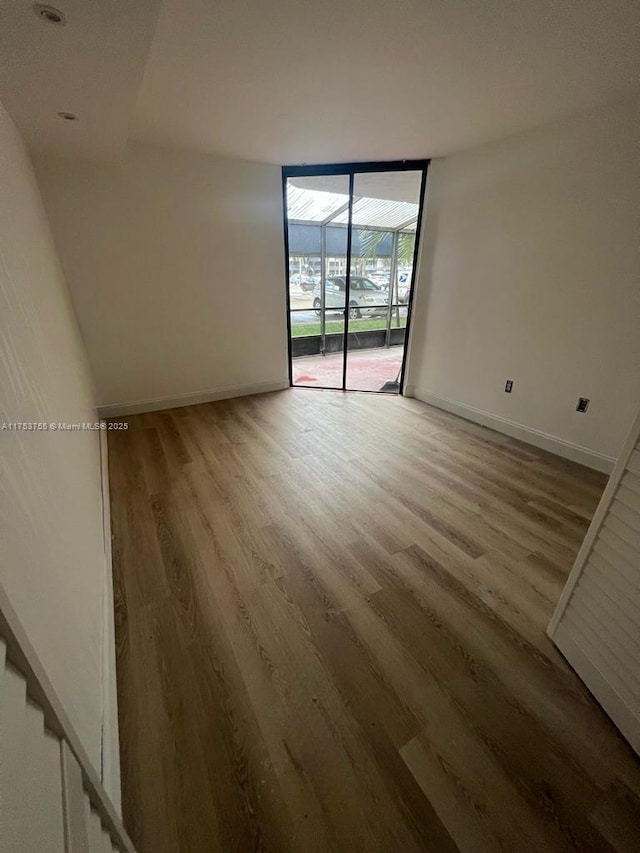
(319, 426)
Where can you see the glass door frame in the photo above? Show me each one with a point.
(351, 170)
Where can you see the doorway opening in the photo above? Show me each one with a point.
(351, 236)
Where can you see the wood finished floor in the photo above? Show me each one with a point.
(330, 636)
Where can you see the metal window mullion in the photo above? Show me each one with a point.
(392, 280)
(347, 281)
(285, 220)
(323, 293)
(314, 170)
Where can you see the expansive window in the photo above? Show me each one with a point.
(351, 237)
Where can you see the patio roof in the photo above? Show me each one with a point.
(379, 213)
(321, 208)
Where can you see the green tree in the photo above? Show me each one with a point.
(370, 241)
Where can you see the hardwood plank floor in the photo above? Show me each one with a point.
(330, 636)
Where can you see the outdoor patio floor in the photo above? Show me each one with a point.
(367, 370)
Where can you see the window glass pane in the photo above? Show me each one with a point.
(384, 205)
(317, 254)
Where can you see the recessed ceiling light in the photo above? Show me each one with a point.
(68, 116)
(50, 14)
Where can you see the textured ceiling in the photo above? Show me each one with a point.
(308, 81)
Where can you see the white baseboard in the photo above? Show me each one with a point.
(137, 407)
(110, 769)
(566, 449)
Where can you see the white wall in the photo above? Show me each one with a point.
(175, 261)
(530, 271)
(52, 563)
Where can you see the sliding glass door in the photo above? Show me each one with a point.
(351, 236)
(385, 208)
(317, 255)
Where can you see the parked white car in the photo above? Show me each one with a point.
(380, 280)
(365, 297)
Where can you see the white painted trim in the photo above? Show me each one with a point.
(110, 736)
(594, 528)
(420, 292)
(22, 655)
(75, 823)
(112, 410)
(615, 707)
(559, 446)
